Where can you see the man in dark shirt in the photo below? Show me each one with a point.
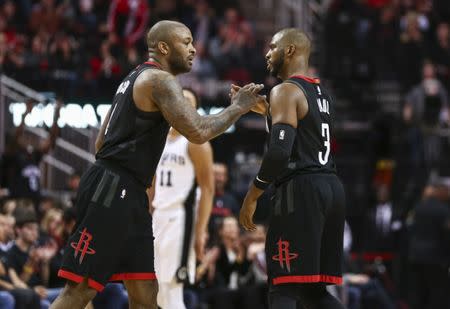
(21, 165)
(23, 298)
(224, 203)
(429, 250)
(28, 266)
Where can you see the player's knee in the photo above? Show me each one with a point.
(80, 291)
(145, 294)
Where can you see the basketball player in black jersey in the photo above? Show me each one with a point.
(113, 240)
(304, 240)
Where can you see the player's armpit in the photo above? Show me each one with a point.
(101, 133)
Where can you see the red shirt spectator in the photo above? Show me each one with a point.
(128, 20)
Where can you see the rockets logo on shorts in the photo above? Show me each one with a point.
(281, 136)
(82, 246)
(284, 256)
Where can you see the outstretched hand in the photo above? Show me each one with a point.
(247, 97)
(261, 107)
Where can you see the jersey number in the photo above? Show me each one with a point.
(323, 158)
(165, 178)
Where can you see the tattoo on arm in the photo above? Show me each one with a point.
(167, 94)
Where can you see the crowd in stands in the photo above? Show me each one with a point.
(85, 47)
(397, 247)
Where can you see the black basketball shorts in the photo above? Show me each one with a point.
(113, 238)
(304, 240)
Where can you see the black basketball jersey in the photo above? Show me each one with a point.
(311, 152)
(134, 139)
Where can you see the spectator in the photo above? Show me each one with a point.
(22, 164)
(202, 66)
(11, 297)
(386, 33)
(440, 53)
(229, 48)
(430, 249)
(224, 203)
(232, 268)
(28, 265)
(203, 26)
(63, 55)
(428, 100)
(68, 224)
(51, 227)
(256, 254)
(127, 21)
(70, 195)
(47, 15)
(411, 51)
(37, 61)
(87, 20)
(359, 289)
(381, 225)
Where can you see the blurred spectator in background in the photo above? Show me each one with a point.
(127, 21)
(229, 49)
(381, 224)
(386, 33)
(256, 254)
(21, 163)
(428, 101)
(28, 264)
(224, 204)
(48, 15)
(63, 63)
(411, 51)
(87, 20)
(69, 197)
(232, 289)
(440, 53)
(10, 296)
(67, 226)
(51, 228)
(202, 67)
(203, 26)
(359, 289)
(429, 253)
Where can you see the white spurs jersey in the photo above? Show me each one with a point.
(175, 175)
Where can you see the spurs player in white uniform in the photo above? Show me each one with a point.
(179, 226)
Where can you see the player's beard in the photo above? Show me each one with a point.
(178, 63)
(277, 64)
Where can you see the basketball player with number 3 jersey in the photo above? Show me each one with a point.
(179, 225)
(304, 240)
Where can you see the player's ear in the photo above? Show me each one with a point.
(290, 50)
(163, 48)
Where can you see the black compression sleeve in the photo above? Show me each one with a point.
(282, 139)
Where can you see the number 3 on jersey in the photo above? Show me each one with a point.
(323, 158)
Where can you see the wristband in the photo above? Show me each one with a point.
(260, 184)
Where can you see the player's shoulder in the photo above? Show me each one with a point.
(153, 76)
(286, 91)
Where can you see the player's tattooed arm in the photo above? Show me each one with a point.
(167, 94)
